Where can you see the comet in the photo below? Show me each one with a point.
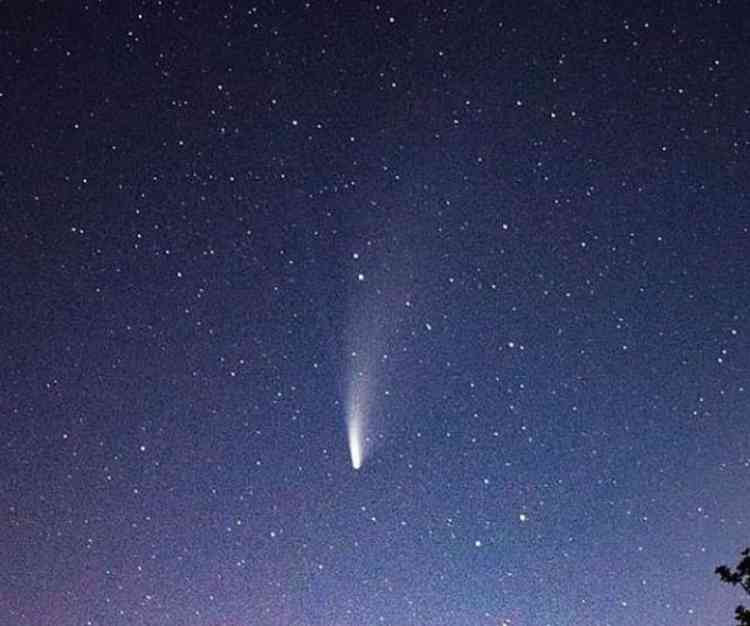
(356, 439)
(356, 419)
(365, 351)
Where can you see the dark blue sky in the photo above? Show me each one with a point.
(516, 236)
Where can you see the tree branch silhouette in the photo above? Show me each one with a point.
(738, 576)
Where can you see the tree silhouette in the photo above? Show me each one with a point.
(739, 576)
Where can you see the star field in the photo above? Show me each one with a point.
(514, 237)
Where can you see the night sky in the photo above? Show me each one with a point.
(503, 248)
